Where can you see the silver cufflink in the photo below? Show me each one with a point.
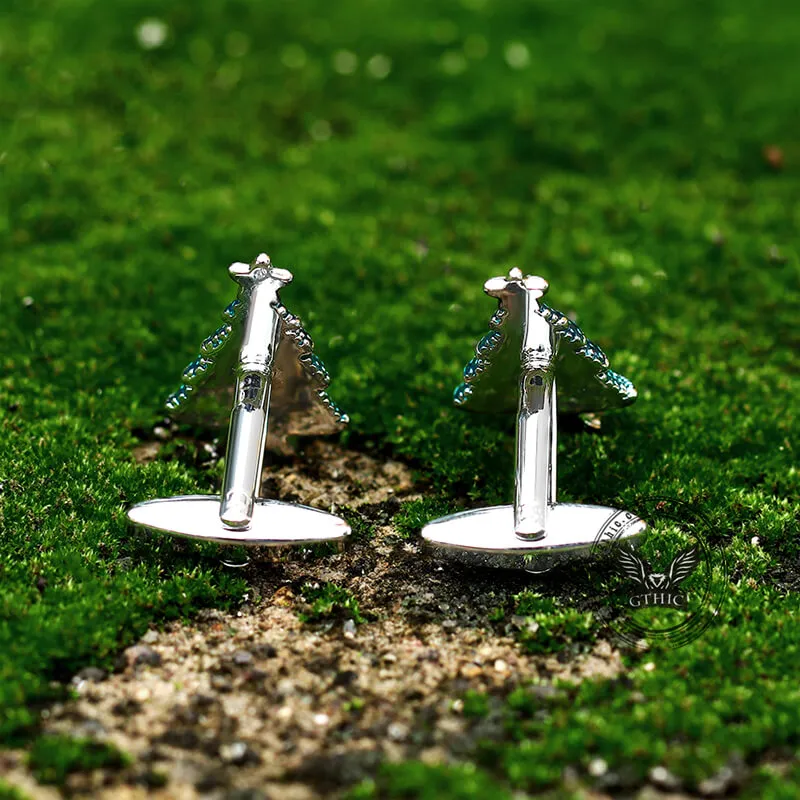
(266, 354)
(534, 361)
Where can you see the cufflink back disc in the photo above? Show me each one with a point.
(529, 351)
(265, 351)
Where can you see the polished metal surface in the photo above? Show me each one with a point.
(248, 428)
(537, 362)
(264, 352)
(534, 468)
(273, 524)
(487, 536)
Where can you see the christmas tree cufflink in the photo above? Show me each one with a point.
(265, 352)
(532, 355)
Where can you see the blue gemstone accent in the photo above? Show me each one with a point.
(490, 350)
(461, 394)
(489, 342)
(231, 309)
(178, 398)
(216, 340)
(316, 362)
(473, 369)
(197, 368)
(498, 318)
(572, 333)
(591, 351)
(202, 368)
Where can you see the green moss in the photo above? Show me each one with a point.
(8, 792)
(52, 758)
(329, 601)
(418, 781)
(476, 704)
(774, 782)
(690, 710)
(361, 530)
(616, 148)
(546, 625)
(415, 514)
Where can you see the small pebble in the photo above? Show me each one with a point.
(397, 732)
(598, 767)
(210, 614)
(718, 784)
(91, 728)
(91, 674)
(264, 651)
(142, 655)
(664, 779)
(238, 753)
(242, 658)
(221, 683)
(345, 677)
(726, 780)
(151, 637)
(202, 701)
(256, 675)
(429, 654)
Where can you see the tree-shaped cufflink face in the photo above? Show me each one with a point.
(263, 352)
(299, 399)
(491, 378)
(534, 361)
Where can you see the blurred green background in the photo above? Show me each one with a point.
(644, 158)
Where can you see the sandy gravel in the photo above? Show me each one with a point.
(256, 703)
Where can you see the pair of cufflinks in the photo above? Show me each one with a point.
(533, 360)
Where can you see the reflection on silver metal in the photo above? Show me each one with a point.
(536, 361)
(486, 536)
(272, 523)
(261, 347)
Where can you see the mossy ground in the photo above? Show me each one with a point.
(329, 601)
(643, 158)
(53, 758)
